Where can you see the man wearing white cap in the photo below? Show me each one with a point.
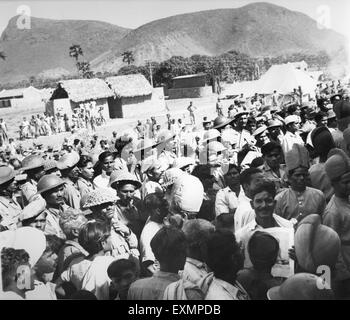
(337, 215)
(298, 200)
(292, 136)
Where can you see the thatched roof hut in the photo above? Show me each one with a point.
(80, 90)
(129, 86)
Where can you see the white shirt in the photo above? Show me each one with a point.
(244, 212)
(243, 235)
(289, 139)
(226, 201)
(147, 234)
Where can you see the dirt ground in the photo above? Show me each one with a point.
(177, 109)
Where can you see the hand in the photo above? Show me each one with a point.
(122, 228)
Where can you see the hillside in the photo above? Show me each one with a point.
(259, 29)
(44, 48)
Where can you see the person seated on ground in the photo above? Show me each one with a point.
(71, 221)
(91, 273)
(122, 273)
(263, 251)
(225, 259)
(169, 248)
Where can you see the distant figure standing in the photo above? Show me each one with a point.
(66, 123)
(191, 108)
(102, 118)
(275, 99)
(219, 108)
(3, 130)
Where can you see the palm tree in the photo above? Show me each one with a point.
(75, 51)
(128, 57)
(2, 55)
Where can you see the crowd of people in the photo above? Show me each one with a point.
(47, 125)
(178, 212)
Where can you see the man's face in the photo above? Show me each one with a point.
(126, 193)
(88, 171)
(12, 186)
(207, 126)
(298, 179)
(104, 211)
(55, 196)
(274, 132)
(46, 266)
(108, 164)
(273, 159)
(242, 120)
(123, 282)
(263, 205)
(232, 178)
(324, 122)
(74, 173)
(262, 139)
(39, 222)
(294, 127)
(157, 173)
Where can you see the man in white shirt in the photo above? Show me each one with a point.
(292, 136)
(244, 213)
(263, 203)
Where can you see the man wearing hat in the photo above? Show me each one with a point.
(51, 188)
(337, 215)
(33, 166)
(298, 200)
(206, 124)
(128, 207)
(70, 175)
(274, 129)
(10, 210)
(244, 136)
(292, 136)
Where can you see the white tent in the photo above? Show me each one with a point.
(284, 78)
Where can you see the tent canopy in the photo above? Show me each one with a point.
(284, 78)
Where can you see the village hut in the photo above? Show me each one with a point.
(132, 96)
(80, 93)
(21, 98)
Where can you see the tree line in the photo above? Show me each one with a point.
(229, 67)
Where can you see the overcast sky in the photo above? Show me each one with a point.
(134, 13)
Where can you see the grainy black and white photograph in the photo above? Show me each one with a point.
(174, 150)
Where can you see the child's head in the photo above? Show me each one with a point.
(123, 273)
(94, 237)
(263, 251)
